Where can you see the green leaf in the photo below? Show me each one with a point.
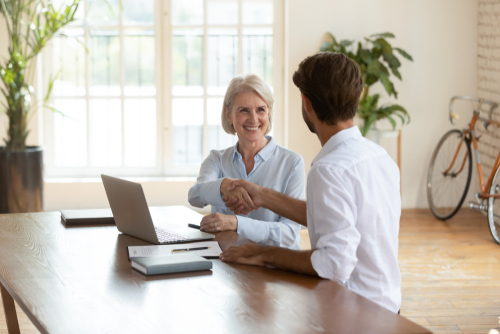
(392, 60)
(374, 68)
(385, 47)
(374, 100)
(395, 107)
(389, 87)
(55, 110)
(333, 39)
(392, 121)
(326, 46)
(346, 42)
(383, 35)
(52, 79)
(80, 42)
(404, 53)
(365, 55)
(401, 118)
(368, 123)
(396, 73)
(370, 79)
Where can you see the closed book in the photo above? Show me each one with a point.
(87, 217)
(170, 264)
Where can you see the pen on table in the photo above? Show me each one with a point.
(189, 249)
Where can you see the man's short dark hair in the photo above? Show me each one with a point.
(333, 83)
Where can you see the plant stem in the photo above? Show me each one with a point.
(364, 93)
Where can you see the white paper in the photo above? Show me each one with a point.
(164, 250)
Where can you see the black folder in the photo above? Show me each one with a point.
(87, 217)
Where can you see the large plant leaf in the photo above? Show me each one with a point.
(392, 60)
(396, 73)
(383, 35)
(374, 68)
(392, 121)
(404, 53)
(346, 42)
(384, 46)
(389, 87)
(371, 79)
(366, 56)
(368, 123)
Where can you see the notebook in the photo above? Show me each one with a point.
(87, 217)
(177, 263)
(212, 252)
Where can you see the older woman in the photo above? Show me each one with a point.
(247, 112)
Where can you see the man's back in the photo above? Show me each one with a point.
(353, 211)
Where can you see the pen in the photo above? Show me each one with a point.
(194, 226)
(189, 249)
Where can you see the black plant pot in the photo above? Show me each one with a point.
(21, 180)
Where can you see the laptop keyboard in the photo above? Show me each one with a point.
(167, 237)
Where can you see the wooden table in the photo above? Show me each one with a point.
(79, 280)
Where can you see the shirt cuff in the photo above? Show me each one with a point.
(252, 229)
(321, 264)
(210, 193)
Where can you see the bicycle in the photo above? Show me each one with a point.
(450, 170)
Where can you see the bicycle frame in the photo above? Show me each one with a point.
(471, 135)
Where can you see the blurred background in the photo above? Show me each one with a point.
(141, 84)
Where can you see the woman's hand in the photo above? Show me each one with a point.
(238, 196)
(217, 222)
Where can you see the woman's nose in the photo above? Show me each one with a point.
(253, 116)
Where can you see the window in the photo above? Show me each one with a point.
(141, 85)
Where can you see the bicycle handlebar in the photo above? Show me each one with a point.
(492, 105)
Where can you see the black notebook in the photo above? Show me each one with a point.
(87, 217)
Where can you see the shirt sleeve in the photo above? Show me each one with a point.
(332, 210)
(206, 191)
(284, 232)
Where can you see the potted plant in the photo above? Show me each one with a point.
(30, 26)
(375, 57)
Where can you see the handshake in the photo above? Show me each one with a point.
(241, 196)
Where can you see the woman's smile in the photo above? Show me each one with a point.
(252, 128)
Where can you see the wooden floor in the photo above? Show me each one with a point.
(450, 270)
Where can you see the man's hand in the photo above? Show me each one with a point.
(279, 257)
(250, 254)
(251, 188)
(217, 222)
(238, 196)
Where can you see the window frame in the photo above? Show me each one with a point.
(163, 29)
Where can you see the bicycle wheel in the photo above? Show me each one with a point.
(494, 207)
(449, 175)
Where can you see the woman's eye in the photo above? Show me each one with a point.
(262, 110)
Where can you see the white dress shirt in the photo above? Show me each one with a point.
(275, 168)
(353, 211)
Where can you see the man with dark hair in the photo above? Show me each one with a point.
(353, 201)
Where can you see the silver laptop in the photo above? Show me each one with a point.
(132, 216)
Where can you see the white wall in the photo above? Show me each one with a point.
(441, 35)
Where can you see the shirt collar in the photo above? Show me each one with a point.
(335, 140)
(264, 154)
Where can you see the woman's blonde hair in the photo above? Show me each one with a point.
(246, 83)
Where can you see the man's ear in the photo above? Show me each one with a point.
(307, 104)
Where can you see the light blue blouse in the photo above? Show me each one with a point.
(275, 168)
